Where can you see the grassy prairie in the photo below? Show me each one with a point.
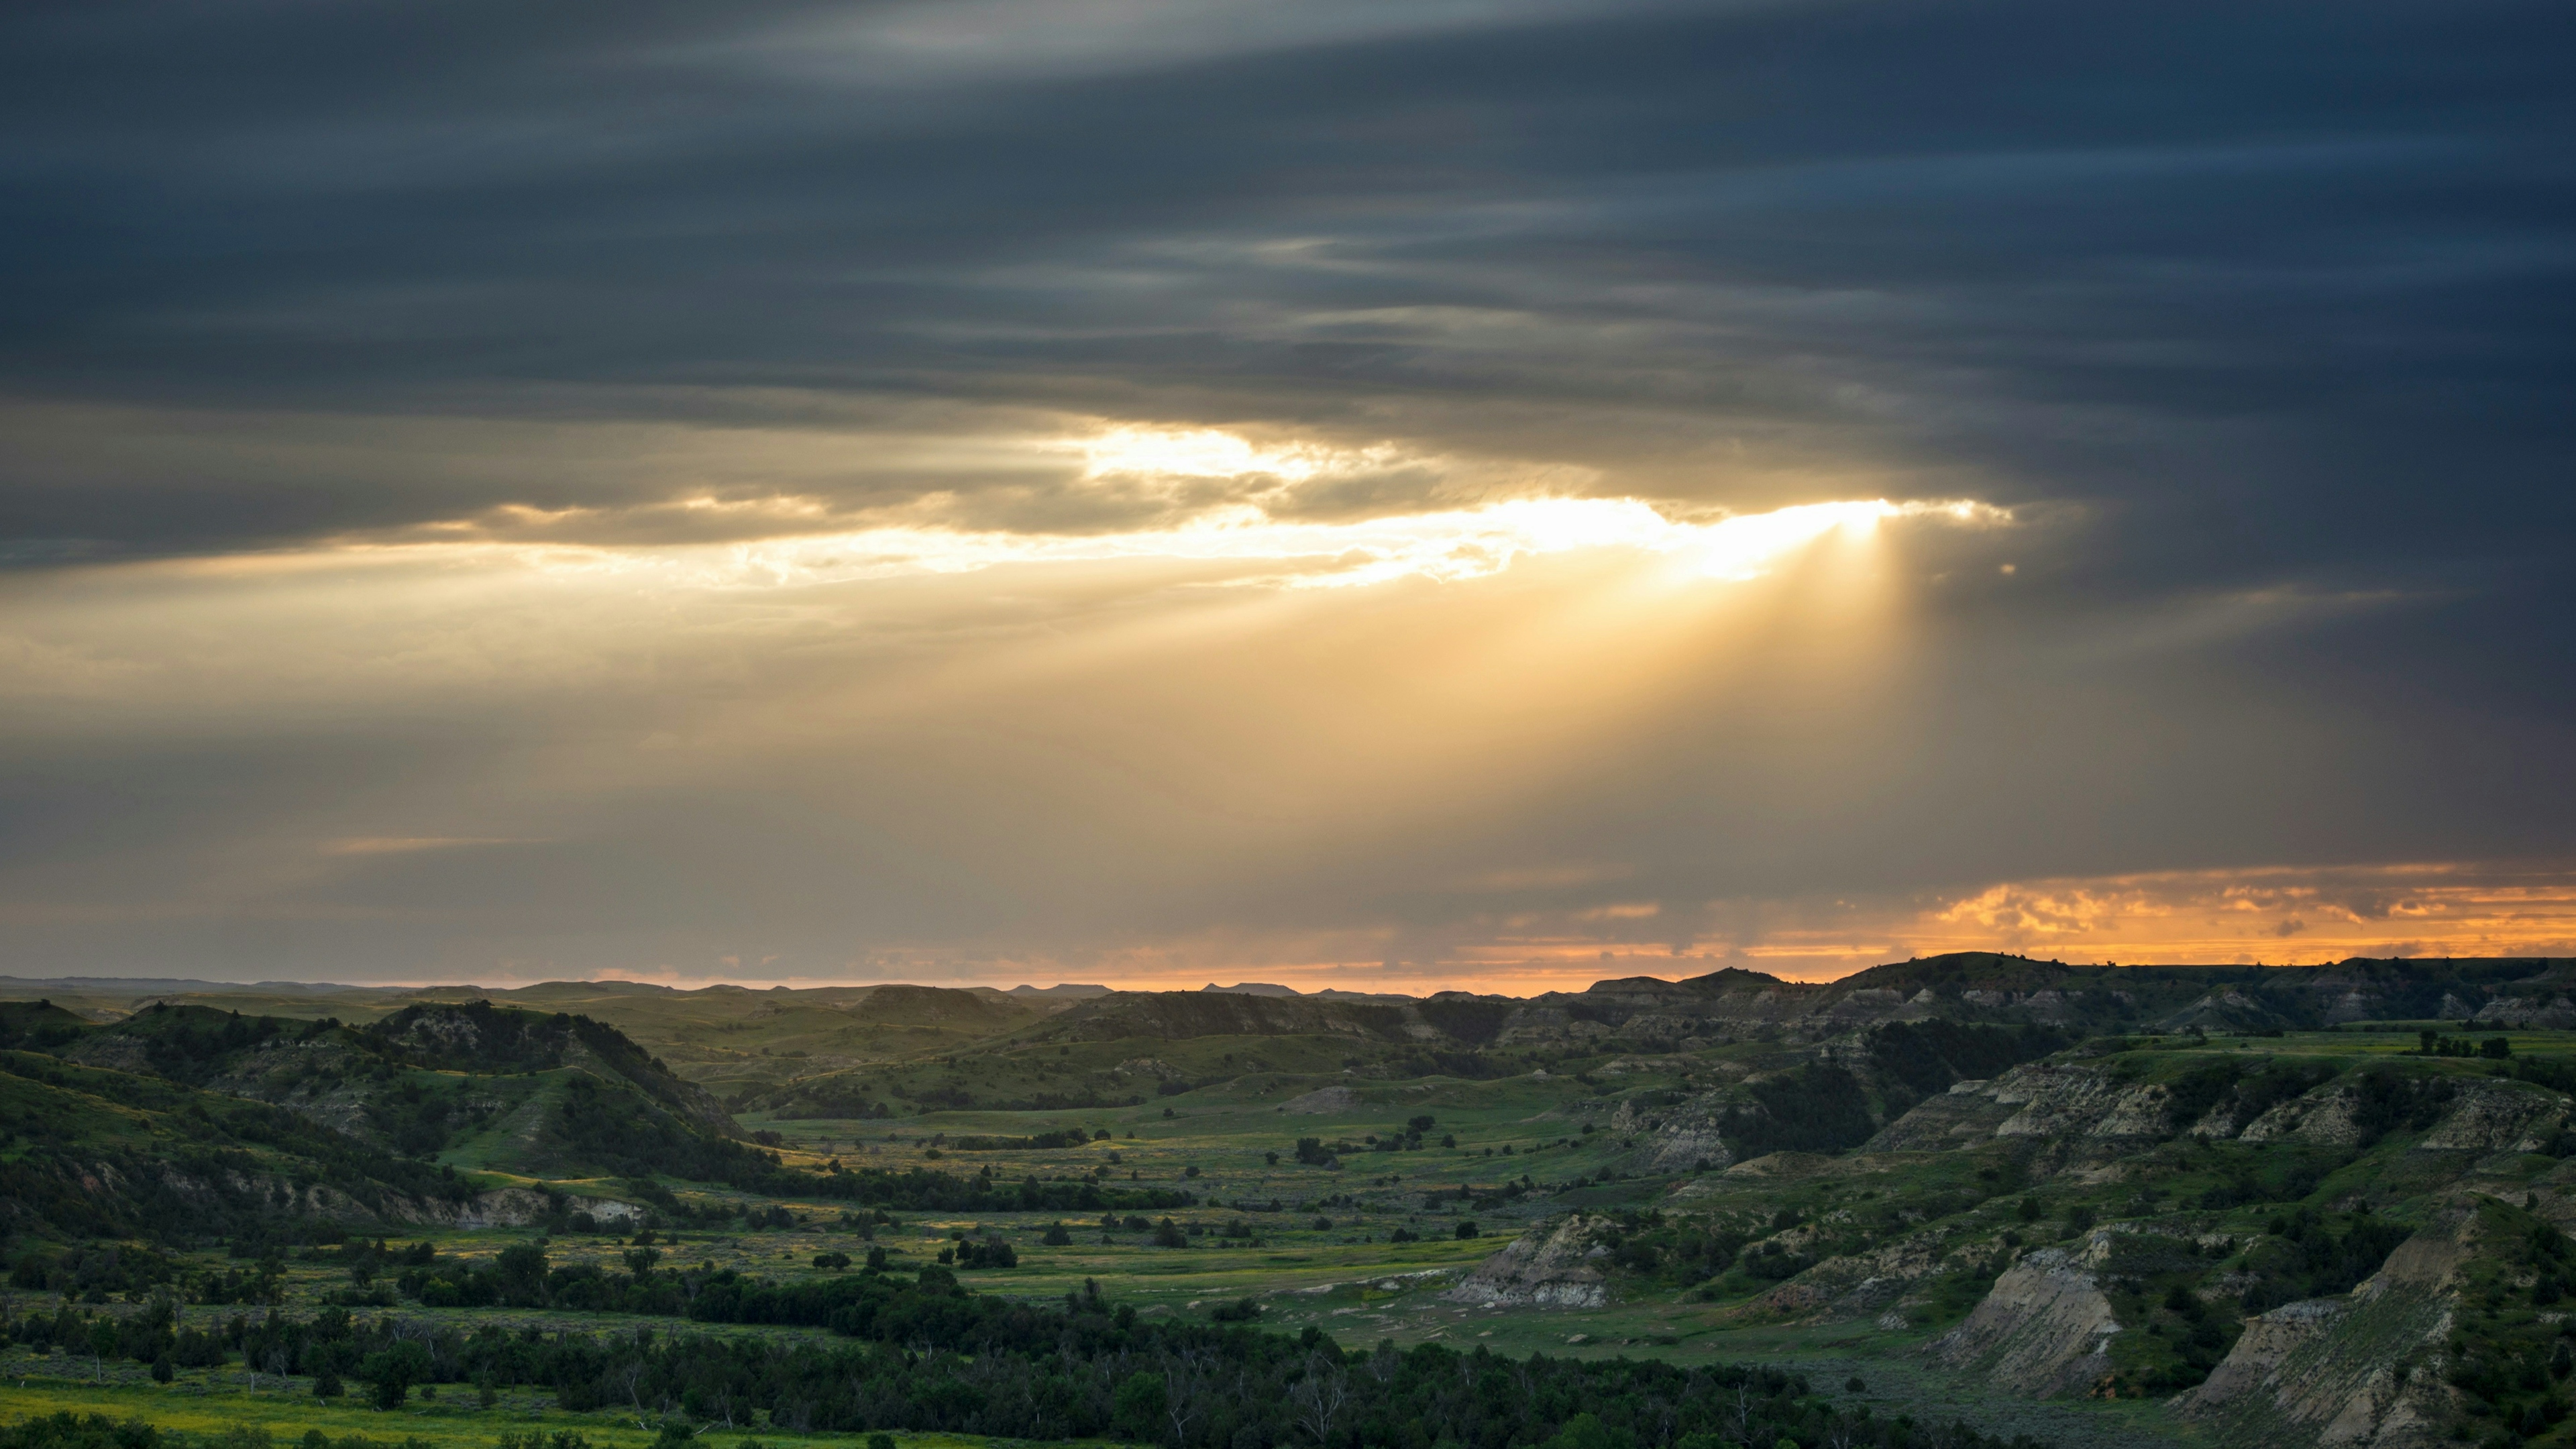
(195, 1405)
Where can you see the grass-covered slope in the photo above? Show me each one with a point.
(87, 1151)
(488, 1088)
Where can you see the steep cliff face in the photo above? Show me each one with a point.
(2043, 1100)
(2491, 1116)
(1687, 1139)
(1551, 1266)
(2045, 1328)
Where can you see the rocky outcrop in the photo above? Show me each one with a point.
(2492, 1116)
(2048, 1100)
(2554, 1011)
(1323, 1101)
(1859, 1285)
(1553, 1265)
(2045, 1328)
(2073, 1099)
(1680, 1138)
(2328, 1117)
(1967, 1113)
(2348, 1372)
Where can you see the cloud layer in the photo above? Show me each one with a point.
(841, 485)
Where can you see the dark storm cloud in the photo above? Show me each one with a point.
(2268, 276)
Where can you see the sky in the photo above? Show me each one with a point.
(1394, 495)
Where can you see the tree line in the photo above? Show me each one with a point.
(923, 1355)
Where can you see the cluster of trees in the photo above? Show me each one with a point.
(595, 1124)
(2433, 1044)
(2303, 1256)
(929, 1357)
(1915, 1060)
(67, 1430)
(1042, 1142)
(152, 1336)
(1315, 1152)
(2245, 1092)
(2184, 1338)
(2389, 1099)
(93, 1272)
(992, 1251)
(926, 1189)
(1465, 1229)
(1819, 1107)
(519, 1276)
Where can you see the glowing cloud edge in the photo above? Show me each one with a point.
(1447, 546)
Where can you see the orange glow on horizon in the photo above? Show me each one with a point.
(2419, 910)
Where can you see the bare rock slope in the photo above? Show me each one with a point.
(2363, 1371)
(2046, 1328)
(1548, 1267)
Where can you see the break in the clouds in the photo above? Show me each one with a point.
(1384, 491)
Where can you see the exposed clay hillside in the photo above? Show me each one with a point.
(2045, 1329)
(330, 1076)
(1833, 1099)
(1554, 1266)
(2110, 1100)
(2363, 1370)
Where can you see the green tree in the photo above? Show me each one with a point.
(393, 1370)
(1138, 1406)
(1583, 1431)
(523, 1270)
